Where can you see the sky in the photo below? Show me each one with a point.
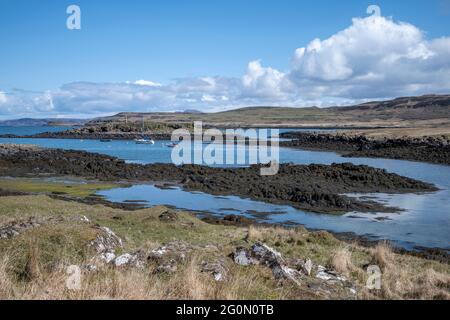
(210, 55)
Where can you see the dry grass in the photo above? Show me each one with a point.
(109, 283)
(383, 255)
(341, 261)
(408, 277)
(401, 279)
(33, 264)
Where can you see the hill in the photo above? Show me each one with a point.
(42, 122)
(423, 111)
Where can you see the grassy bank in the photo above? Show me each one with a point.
(33, 263)
(78, 188)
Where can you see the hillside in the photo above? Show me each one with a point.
(425, 111)
(42, 122)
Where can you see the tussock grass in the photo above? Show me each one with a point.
(382, 255)
(341, 260)
(405, 277)
(109, 283)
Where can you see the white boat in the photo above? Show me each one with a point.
(144, 141)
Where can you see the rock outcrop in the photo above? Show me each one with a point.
(105, 244)
(300, 272)
(15, 228)
(426, 149)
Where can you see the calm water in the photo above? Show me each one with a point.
(425, 221)
(421, 225)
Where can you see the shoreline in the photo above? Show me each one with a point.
(429, 253)
(441, 255)
(428, 149)
(315, 188)
(58, 162)
(435, 150)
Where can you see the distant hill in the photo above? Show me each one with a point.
(428, 110)
(42, 122)
(191, 111)
(24, 122)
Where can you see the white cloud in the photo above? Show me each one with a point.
(262, 82)
(147, 83)
(2, 97)
(368, 44)
(375, 57)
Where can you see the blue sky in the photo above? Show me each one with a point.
(176, 43)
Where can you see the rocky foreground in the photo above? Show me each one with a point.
(426, 149)
(318, 188)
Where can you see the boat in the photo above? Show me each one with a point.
(105, 140)
(144, 140)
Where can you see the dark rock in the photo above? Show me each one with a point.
(313, 187)
(168, 216)
(427, 149)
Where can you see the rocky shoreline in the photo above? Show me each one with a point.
(78, 134)
(317, 188)
(437, 254)
(434, 149)
(428, 149)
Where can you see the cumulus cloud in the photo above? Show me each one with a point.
(262, 82)
(374, 58)
(369, 45)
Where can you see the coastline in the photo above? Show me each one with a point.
(85, 165)
(429, 149)
(316, 188)
(351, 141)
(233, 232)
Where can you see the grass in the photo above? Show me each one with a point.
(33, 264)
(81, 189)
